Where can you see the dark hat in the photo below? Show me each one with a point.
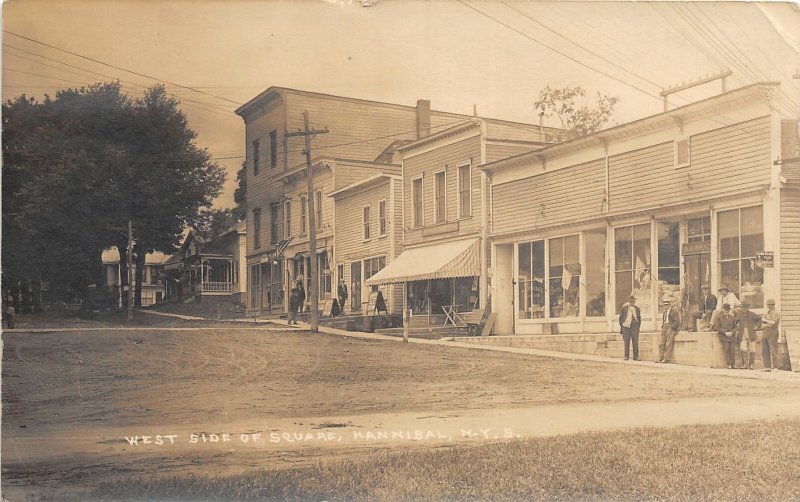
(726, 306)
(631, 298)
(770, 302)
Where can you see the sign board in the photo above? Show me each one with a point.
(701, 247)
(376, 303)
(765, 259)
(327, 308)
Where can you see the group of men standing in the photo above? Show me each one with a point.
(724, 314)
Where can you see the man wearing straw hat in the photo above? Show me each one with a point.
(670, 324)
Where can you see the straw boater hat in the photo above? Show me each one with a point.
(770, 302)
(666, 299)
(723, 287)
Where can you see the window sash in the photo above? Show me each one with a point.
(382, 217)
(441, 193)
(464, 190)
(365, 222)
(273, 148)
(416, 187)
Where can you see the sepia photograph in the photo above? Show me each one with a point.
(400, 250)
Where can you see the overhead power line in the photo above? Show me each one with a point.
(120, 68)
(593, 53)
(585, 65)
(215, 108)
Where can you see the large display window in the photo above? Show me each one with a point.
(632, 259)
(549, 289)
(596, 272)
(740, 236)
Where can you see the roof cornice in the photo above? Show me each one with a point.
(706, 107)
(441, 135)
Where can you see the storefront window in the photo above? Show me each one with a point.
(595, 243)
(740, 237)
(564, 276)
(632, 265)
(669, 253)
(531, 280)
(699, 229)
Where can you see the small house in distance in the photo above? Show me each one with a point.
(208, 271)
(152, 287)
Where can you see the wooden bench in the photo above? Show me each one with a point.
(474, 320)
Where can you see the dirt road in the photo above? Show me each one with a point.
(70, 400)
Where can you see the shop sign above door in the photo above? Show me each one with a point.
(700, 247)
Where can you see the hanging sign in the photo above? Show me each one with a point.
(765, 259)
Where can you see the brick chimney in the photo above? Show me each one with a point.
(423, 118)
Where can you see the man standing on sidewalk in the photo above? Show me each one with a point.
(726, 330)
(769, 343)
(670, 325)
(341, 292)
(746, 334)
(630, 319)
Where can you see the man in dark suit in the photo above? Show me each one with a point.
(670, 324)
(630, 319)
(708, 303)
(726, 330)
(341, 292)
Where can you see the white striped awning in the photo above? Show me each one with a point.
(437, 261)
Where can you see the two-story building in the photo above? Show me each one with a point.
(654, 207)
(210, 270)
(152, 286)
(368, 235)
(445, 213)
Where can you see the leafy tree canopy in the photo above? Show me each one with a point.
(78, 167)
(577, 120)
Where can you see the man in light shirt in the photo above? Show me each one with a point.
(724, 296)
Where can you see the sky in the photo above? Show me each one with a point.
(491, 56)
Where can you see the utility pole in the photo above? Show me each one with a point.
(312, 230)
(130, 270)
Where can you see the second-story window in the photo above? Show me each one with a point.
(318, 210)
(382, 217)
(273, 148)
(256, 156)
(464, 190)
(365, 222)
(416, 201)
(303, 212)
(683, 153)
(273, 224)
(256, 228)
(440, 187)
(287, 219)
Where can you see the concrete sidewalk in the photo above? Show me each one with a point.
(752, 374)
